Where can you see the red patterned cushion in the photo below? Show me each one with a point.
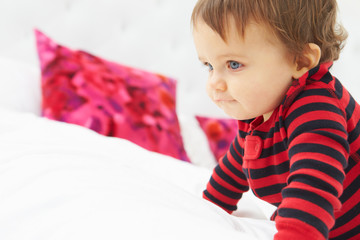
(109, 98)
(220, 133)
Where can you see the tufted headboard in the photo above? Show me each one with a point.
(154, 35)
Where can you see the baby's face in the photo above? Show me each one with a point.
(248, 77)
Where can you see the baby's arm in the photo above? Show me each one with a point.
(318, 153)
(228, 182)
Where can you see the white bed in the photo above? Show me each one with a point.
(63, 181)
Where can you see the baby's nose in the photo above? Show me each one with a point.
(217, 82)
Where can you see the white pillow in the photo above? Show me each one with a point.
(19, 86)
(195, 142)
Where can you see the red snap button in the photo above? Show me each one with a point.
(253, 147)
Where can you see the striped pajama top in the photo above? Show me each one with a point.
(304, 160)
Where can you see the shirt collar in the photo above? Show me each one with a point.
(298, 85)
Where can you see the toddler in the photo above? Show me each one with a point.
(298, 144)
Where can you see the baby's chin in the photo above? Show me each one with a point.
(239, 116)
(235, 110)
(236, 114)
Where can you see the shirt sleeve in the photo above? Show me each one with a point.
(227, 182)
(318, 152)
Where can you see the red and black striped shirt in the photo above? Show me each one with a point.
(304, 160)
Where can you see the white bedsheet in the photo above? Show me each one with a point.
(61, 181)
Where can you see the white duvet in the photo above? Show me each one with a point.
(61, 181)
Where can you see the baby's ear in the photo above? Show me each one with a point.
(308, 60)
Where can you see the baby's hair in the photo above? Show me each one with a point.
(294, 22)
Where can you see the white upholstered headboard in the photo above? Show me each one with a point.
(150, 34)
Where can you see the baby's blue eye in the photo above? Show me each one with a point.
(209, 66)
(234, 65)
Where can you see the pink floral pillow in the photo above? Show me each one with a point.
(220, 133)
(109, 98)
